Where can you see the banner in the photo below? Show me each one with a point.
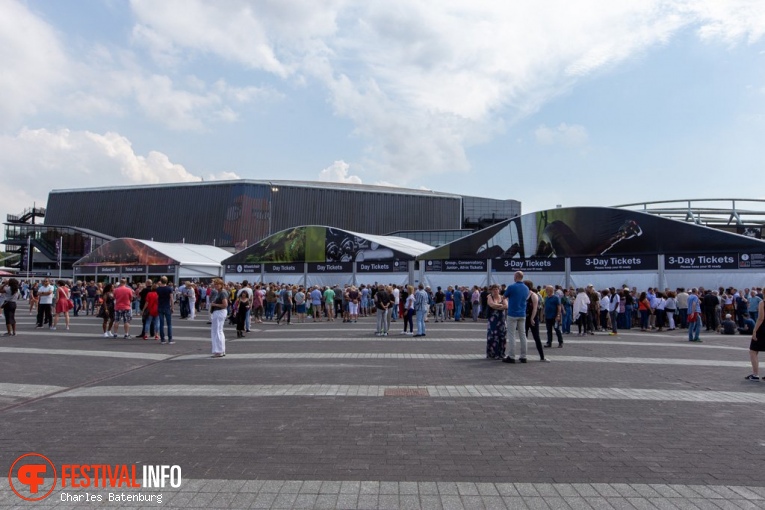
(590, 232)
(134, 269)
(396, 266)
(243, 268)
(701, 261)
(297, 267)
(162, 270)
(548, 265)
(316, 244)
(751, 260)
(330, 267)
(615, 263)
(461, 266)
(108, 270)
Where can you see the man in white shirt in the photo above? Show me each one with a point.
(613, 309)
(45, 293)
(581, 304)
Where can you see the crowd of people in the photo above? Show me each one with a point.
(509, 310)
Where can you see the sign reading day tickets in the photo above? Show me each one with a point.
(703, 261)
(467, 266)
(539, 265)
(615, 263)
(395, 266)
(330, 267)
(288, 268)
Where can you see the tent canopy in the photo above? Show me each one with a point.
(126, 251)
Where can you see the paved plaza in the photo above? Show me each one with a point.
(327, 415)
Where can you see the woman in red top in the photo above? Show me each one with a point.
(151, 312)
(63, 305)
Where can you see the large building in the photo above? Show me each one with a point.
(242, 212)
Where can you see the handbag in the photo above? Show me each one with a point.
(692, 316)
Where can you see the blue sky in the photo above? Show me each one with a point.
(550, 102)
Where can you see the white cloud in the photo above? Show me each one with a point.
(39, 160)
(338, 172)
(568, 135)
(424, 80)
(34, 64)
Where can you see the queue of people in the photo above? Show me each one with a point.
(515, 310)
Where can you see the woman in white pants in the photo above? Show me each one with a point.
(219, 310)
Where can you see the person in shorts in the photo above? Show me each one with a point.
(123, 298)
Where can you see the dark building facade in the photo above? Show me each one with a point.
(242, 212)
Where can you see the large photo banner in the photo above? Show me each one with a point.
(315, 244)
(590, 232)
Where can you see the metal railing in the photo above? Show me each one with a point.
(707, 211)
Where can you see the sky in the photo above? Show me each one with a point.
(550, 102)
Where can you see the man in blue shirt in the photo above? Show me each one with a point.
(516, 295)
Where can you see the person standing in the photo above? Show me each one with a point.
(475, 300)
(613, 309)
(757, 344)
(285, 296)
(45, 297)
(10, 295)
(409, 310)
(329, 303)
(694, 317)
(150, 312)
(516, 295)
(240, 309)
(682, 307)
(382, 301)
(106, 310)
(191, 293)
(553, 315)
(421, 308)
(76, 294)
(457, 297)
(165, 308)
(123, 297)
(63, 304)
(439, 298)
(496, 328)
(91, 293)
(532, 318)
(754, 305)
(219, 310)
(354, 296)
(580, 311)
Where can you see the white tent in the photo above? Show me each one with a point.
(134, 257)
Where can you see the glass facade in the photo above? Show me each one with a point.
(433, 238)
(75, 243)
(478, 212)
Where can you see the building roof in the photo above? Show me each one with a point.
(275, 183)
